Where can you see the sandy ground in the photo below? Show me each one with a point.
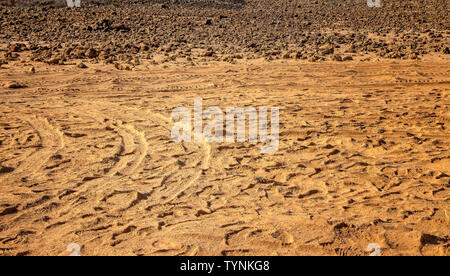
(87, 157)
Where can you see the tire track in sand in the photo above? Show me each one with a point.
(51, 141)
(177, 193)
(171, 193)
(134, 147)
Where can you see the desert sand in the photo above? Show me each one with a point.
(87, 157)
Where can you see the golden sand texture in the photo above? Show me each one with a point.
(87, 157)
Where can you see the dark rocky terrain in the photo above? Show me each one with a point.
(225, 30)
